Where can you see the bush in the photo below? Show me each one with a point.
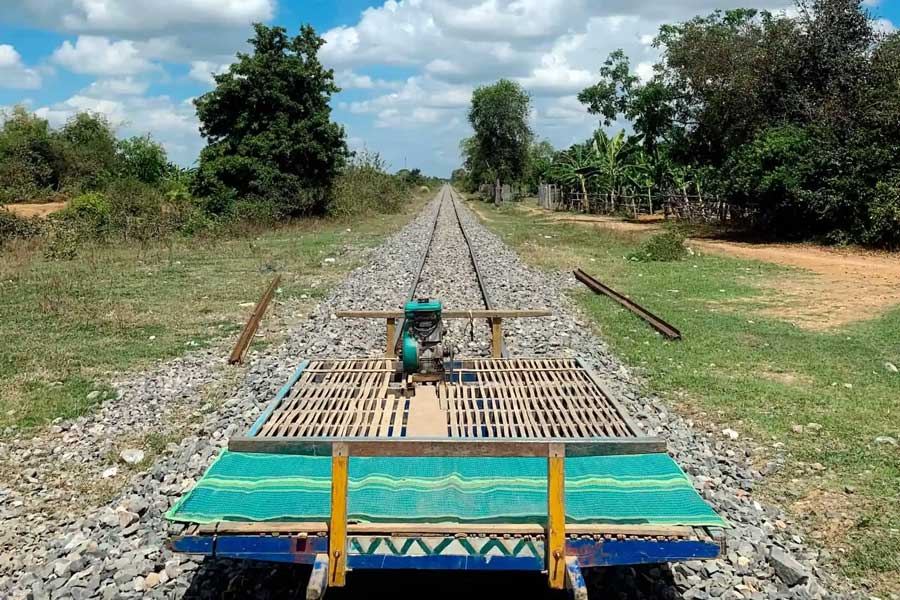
(87, 153)
(662, 247)
(13, 227)
(884, 215)
(365, 187)
(143, 159)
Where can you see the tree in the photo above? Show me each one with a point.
(459, 178)
(619, 92)
(268, 124)
(499, 116)
(540, 160)
(29, 157)
(143, 159)
(89, 152)
(731, 75)
(642, 174)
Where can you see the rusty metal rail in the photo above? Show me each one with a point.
(658, 324)
(243, 343)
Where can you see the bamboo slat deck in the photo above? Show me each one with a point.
(521, 398)
(531, 399)
(341, 398)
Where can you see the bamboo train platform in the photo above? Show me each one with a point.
(517, 464)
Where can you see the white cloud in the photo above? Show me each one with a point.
(506, 20)
(351, 80)
(420, 100)
(130, 16)
(565, 110)
(884, 26)
(93, 55)
(644, 71)
(13, 72)
(125, 86)
(203, 71)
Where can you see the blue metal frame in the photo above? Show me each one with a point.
(303, 550)
(274, 404)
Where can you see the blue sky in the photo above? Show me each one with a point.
(407, 66)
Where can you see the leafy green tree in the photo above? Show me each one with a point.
(540, 160)
(477, 168)
(89, 147)
(29, 157)
(796, 116)
(642, 175)
(268, 123)
(731, 75)
(460, 179)
(499, 117)
(619, 92)
(143, 159)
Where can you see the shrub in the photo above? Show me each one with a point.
(87, 147)
(92, 209)
(143, 159)
(13, 227)
(884, 215)
(364, 187)
(662, 247)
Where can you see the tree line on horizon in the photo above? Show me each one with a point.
(793, 118)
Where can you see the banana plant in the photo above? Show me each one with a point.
(575, 167)
(642, 175)
(611, 152)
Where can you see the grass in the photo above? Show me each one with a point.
(67, 326)
(757, 374)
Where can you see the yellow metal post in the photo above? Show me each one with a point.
(496, 337)
(390, 352)
(337, 531)
(556, 513)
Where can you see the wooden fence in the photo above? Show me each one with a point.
(502, 193)
(694, 208)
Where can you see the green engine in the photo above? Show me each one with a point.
(423, 331)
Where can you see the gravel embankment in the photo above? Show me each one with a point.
(54, 545)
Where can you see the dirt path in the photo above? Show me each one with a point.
(839, 286)
(36, 210)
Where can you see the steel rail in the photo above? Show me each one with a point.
(412, 292)
(485, 296)
(658, 324)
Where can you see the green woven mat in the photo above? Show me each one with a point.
(648, 489)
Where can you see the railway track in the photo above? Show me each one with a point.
(441, 265)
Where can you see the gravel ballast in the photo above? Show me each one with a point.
(54, 544)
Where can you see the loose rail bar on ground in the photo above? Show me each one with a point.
(658, 324)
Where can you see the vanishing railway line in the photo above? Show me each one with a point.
(442, 268)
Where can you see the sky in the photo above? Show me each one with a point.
(407, 67)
